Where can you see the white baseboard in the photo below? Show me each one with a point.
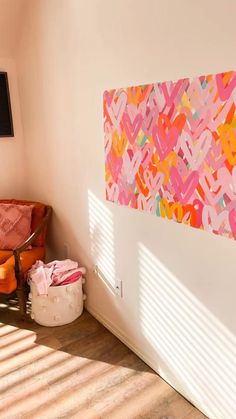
(117, 332)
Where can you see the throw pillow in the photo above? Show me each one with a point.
(15, 224)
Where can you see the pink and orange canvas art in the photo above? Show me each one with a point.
(170, 150)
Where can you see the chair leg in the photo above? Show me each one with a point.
(22, 301)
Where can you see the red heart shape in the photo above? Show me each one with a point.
(165, 134)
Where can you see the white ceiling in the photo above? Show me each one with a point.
(10, 17)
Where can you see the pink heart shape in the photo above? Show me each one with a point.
(214, 189)
(126, 195)
(165, 193)
(133, 110)
(234, 179)
(144, 204)
(195, 127)
(150, 120)
(157, 98)
(225, 91)
(215, 156)
(230, 189)
(108, 137)
(117, 108)
(182, 167)
(195, 152)
(131, 165)
(219, 118)
(108, 96)
(197, 96)
(147, 152)
(114, 164)
(165, 145)
(173, 91)
(184, 189)
(154, 183)
(232, 222)
(216, 223)
(132, 128)
(112, 192)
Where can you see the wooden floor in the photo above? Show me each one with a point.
(78, 371)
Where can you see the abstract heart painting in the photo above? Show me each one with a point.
(170, 150)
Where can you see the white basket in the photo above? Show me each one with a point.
(62, 305)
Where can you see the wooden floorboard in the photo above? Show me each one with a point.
(78, 371)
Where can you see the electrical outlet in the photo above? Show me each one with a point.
(117, 287)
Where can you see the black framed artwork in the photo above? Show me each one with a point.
(6, 123)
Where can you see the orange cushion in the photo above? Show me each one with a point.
(8, 281)
(37, 216)
(4, 255)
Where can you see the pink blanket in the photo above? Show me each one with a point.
(58, 272)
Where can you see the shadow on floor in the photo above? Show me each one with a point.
(78, 370)
(85, 337)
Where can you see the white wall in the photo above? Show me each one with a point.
(11, 12)
(179, 283)
(12, 149)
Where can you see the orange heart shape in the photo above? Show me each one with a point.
(134, 94)
(141, 182)
(165, 165)
(119, 142)
(107, 174)
(169, 208)
(228, 140)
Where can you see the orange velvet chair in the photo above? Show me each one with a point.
(14, 264)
